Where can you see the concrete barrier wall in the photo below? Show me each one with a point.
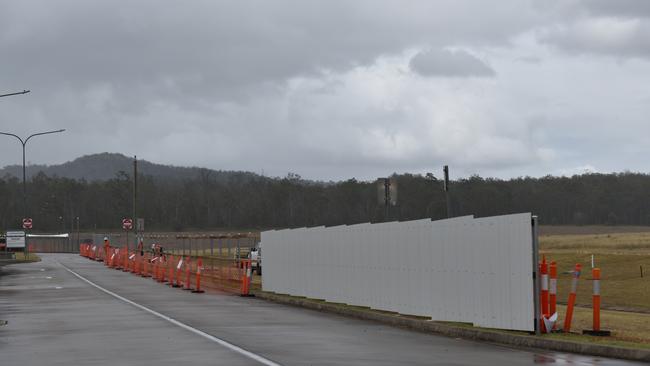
(463, 269)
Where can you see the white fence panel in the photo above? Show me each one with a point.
(460, 269)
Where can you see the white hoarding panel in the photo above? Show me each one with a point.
(461, 269)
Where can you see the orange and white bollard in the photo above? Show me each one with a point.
(145, 267)
(552, 289)
(114, 256)
(136, 264)
(170, 268)
(572, 298)
(163, 269)
(125, 261)
(246, 278)
(179, 265)
(596, 331)
(156, 264)
(199, 267)
(543, 269)
(188, 264)
(132, 263)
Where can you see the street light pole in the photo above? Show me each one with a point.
(24, 143)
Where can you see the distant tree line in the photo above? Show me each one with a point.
(248, 201)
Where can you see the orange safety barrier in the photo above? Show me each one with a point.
(125, 260)
(97, 253)
(136, 264)
(188, 263)
(595, 272)
(163, 269)
(543, 269)
(170, 270)
(199, 267)
(572, 298)
(116, 258)
(552, 290)
(145, 267)
(114, 254)
(221, 274)
(132, 262)
(156, 269)
(179, 265)
(246, 278)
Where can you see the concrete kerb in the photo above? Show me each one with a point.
(477, 334)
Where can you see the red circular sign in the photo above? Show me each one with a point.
(27, 223)
(127, 224)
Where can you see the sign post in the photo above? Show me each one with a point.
(27, 224)
(127, 224)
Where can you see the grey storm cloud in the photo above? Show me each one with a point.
(626, 8)
(449, 63)
(612, 28)
(613, 36)
(327, 89)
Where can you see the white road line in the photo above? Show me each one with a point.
(203, 334)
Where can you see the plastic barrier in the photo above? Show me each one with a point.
(170, 270)
(595, 272)
(543, 270)
(552, 290)
(179, 265)
(199, 267)
(572, 298)
(246, 278)
(187, 274)
(221, 274)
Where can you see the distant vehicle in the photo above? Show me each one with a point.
(3, 243)
(255, 256)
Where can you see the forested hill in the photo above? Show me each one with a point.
(208, 200)
(106, 166)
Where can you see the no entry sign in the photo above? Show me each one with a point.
(27, 223)
(127, 224)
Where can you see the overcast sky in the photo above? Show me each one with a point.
(332, 89)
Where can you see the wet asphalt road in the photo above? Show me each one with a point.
(57, 318)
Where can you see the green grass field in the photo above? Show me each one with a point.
(620, 256)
